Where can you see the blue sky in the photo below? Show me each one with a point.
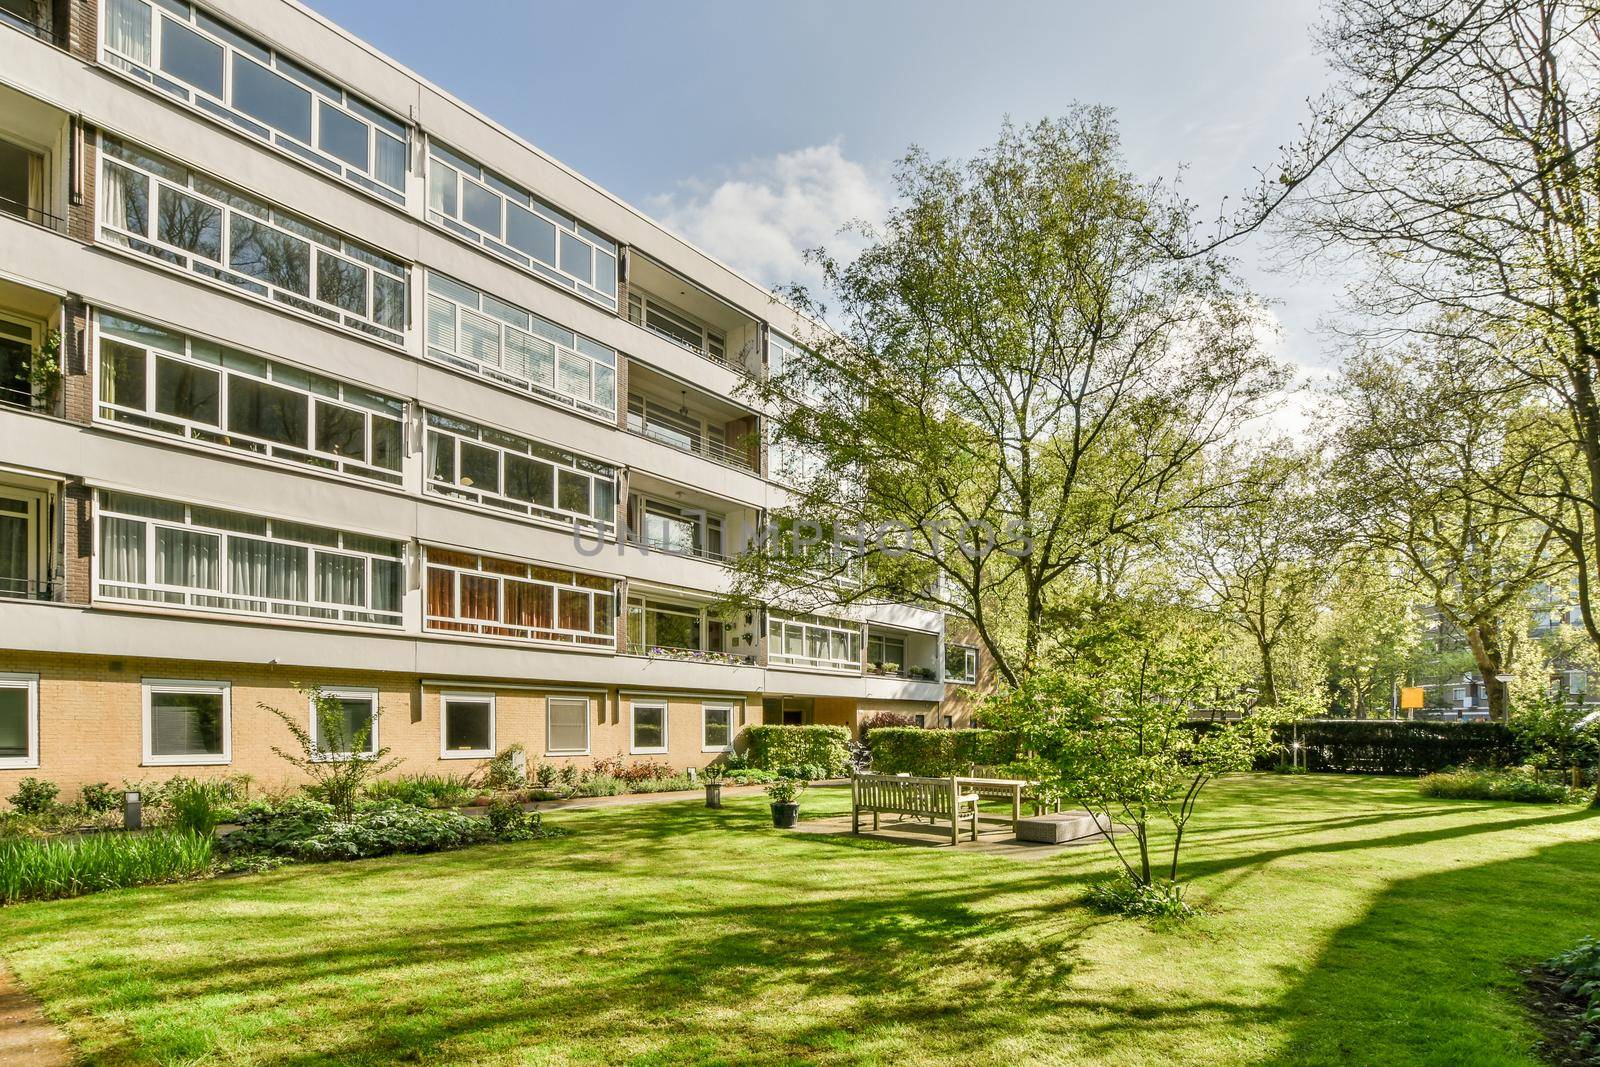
(757, 128)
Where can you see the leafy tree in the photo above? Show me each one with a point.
(1260, 555)
(340, 766)
(1426, 432)
(1021, 383)
(1457, 154)
(1114, 735)
(1370, 634)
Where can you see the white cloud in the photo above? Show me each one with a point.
(769, 211)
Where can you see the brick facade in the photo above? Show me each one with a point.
(91, 720)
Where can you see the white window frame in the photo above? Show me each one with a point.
(440, 296)
(588, 703)
(463, 626)
(467, 696)
(785, 623)
(183, 685)
(705, 709)
(498, 502)
(306, 305)
(446, 168)
(969, 677)
(29, 683)
(633, 721)
(344, 692)
(348, 103)
(106, 412)
(343, 615)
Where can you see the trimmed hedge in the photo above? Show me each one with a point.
(937, 753)
(1383, 746)
(772, 747)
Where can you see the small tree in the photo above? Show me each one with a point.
(340, 766)
(1114, 735)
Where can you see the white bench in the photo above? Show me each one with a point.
(934, 799)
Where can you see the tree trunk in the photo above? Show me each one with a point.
(1269, 680)
(1141, 829)
(1486, 653)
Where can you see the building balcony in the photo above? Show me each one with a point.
(672, 624)
(31, 533)
(33, 148)
(676, 310)
(902, 654)
(662, 410)
(669, 518)
(44, 19)
(30, 348)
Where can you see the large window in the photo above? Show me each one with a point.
(160, 380)
(716, 727)
(188, 54)
(886, 652)
(351, 728)
(567, 726)
(502, 342)
(162, 552)
(512, 473)
(657, 626)
(516, 225)
(960, 664)
(493, 597)
(187, 723)
(647, 728)
(666, 527)
(679, 327)
(19, 721)
(466, 725)
(162, 209)
(809, 641)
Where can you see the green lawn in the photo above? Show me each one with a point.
(1347, 921)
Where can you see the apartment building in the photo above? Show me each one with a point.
(308, 372)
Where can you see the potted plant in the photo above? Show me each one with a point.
(713, 778)
(44, 372)
(785, 797)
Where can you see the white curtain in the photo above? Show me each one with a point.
(341, 579)
(188, 558)
(265, 569)
(128, 29)
(122, 551)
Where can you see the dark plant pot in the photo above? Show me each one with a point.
(713, 794)
(784, 816)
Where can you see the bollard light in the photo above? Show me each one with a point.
(132, 816)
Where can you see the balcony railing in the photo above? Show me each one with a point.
(689, 655)
(26, 25)
(915, 672)
(638, 540)
(696, 445)
(27, 589)
(36, 215)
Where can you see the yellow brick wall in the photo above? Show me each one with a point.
(91, 720)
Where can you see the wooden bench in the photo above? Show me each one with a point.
(934, 799)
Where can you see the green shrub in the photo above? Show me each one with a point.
(938, 753)
(772, 747)
(602, 785)
(310, 830)
(196, 807)
(71, 866)
(508, 822)
(1388, 746)
(1578, 968)
(785, 790)
(1519, 786)
(423, 790)
(1123, 895)
(34, 796)
(100, 799)
(501, 773)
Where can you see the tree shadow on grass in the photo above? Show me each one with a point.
(1430, 974)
